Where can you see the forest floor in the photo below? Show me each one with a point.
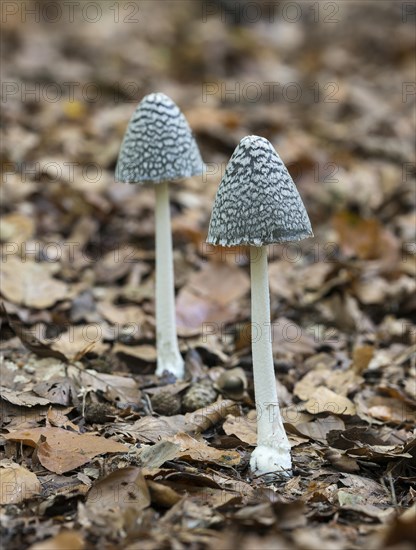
(96, 451)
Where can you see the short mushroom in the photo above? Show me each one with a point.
(159, 147)
(257, 204)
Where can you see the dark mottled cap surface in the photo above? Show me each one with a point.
(257, 202)
(158, 144)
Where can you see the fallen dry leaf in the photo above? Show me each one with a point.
(243, 427)
(204, 300)
(31, 283)
(400, 531)
(362, 356)
(61, 451)
(56, 417)
(203, 419)
(288, 336)
(17, 483)
(365, 238)
(143, 352)
(15, 229)
(78, 339)
(23, 399)
(65, 540)
(122, 388)
(341, 461)
(120, 489)
(320, 427)
(127, 315)
(386, 409)
(156, 455)
(162, 495)
(58, 391)
(324, 400)
(199, 451)
(341, 382)
(41, 349)
(151, 430)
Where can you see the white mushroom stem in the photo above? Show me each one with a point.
(272, 453)
(168, 356)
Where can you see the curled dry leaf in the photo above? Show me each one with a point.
(17, 483)
(162, 495)
(207, 417)
(378, 453)
(234, 283)
(61, 451)
(22, 399)
(396, 392)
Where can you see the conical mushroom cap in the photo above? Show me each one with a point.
(158, 144)
(257, 202)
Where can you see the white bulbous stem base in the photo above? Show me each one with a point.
(273, 448)
(168, 356)
(266, 460)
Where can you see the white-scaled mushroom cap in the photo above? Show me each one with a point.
(158, 144)
(257, 202)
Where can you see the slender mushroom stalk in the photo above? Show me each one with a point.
(257, 204)
(273, 446)
(168, 356)
(158, 147)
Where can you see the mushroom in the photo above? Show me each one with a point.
(257, 204)
(159, 147)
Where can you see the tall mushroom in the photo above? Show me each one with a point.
(159, 147)
(257, 204)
